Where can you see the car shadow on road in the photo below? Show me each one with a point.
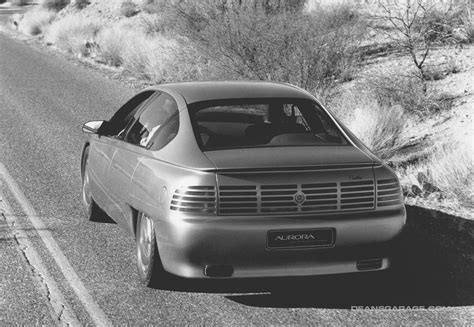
(434, 267)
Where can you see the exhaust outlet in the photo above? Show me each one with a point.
(218, 271)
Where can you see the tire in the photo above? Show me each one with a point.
(92, 210)
(150, 269)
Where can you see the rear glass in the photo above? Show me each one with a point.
(262, 123)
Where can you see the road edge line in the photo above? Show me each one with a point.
(60, 307)
(95, 312)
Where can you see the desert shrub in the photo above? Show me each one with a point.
(274, 44)
(111, 43)
(447, 173)
(329, 94)
(469, 30)
(159, 59)
(440, 71)
(18, 2)
(452, 66)
(379, 126)
(439, 23)
(128, 8)
(53, 4)
(417, 26)
(407, 91)
(153, 23)
(434, 73)
(81, 3)
(154, 7)
(73, 33)
(35, 22)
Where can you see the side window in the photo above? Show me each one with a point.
(121, 119)
(156, 125)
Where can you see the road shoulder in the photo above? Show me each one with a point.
(17, 280)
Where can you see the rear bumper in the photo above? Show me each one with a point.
(189, 244)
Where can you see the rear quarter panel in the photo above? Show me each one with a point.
(154, 182)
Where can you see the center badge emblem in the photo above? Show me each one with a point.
(300, 197)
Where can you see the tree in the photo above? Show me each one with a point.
(416, 26)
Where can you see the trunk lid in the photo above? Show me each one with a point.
(286, 157)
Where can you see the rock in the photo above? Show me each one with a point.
(416, 190)
(430, 188)
(421, 178)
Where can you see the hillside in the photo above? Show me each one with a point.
(348, 57)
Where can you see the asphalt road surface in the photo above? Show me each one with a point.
(56, 267)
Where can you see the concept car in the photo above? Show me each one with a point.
(240, 179)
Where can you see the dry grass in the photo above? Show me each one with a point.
(379, 127)
(265, 43)
(153, 23)
(73, 32)
(159, 59)
(18, 2)
(449, 173)
(128, 8)
(36, 21)
(53, 4)
(111, 43)
(407, 91)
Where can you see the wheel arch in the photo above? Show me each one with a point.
(84, 148)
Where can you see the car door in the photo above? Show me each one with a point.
(103, 148)
(141, 138)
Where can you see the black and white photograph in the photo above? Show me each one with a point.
(236, 163)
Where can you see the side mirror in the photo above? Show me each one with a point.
(92, 126)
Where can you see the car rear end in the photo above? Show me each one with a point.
(291, 222)
(287, 193)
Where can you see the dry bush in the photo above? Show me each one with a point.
(417, 26)
(81, 3)
(18, 2)
(36, 21)
(448, 173)
(441, 21)
(53, 4)
(111, 43)
(379, 127)
(438, 71)
(159, 59)
(469, 31)
(128, 8)
(435, 73)
(408, 91)
(153, 23)
(270, 44)
(73, 33)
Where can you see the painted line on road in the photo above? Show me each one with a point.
(96, 313)
(62, 312)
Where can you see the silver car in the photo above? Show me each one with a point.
(240, 179)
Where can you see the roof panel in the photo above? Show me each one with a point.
(215, 90)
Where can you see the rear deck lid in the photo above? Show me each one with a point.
(299, 157)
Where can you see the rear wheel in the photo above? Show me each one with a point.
(150, 269)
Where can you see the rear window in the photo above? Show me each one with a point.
(262, 123)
